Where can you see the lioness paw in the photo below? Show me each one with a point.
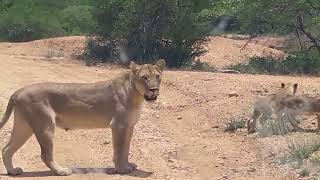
(128, 168)
(64, 172)
(133, 165)
(15, 171)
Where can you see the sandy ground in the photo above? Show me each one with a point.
(181, 136)
(223, 52)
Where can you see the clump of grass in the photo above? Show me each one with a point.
(300, 155)
(235, 124)
(303, 151)
(304, 172)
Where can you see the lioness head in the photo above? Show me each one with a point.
(147, 78)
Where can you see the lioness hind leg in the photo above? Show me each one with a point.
(21, 132)
(45, 135)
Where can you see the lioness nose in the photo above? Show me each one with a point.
(153, 89)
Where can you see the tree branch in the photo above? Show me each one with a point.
(300, 26)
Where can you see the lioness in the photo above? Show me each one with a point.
(270, 105)
(39, 108)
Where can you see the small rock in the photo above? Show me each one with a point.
(106, 142)
(222, 157)
(233, 94)
(252, 170)
(179, 117)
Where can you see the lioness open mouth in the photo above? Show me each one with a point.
(152, 98)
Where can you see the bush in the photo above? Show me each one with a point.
(235, 123)
(17, 32)
(99, 50)
(301, 63)
(150, 29)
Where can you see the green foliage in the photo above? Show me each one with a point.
(304, 172)
(301, 63)
(33, 19)
(77, 19)
(299, 154)
(282, 17)
(97, 48)
(235, 123)
(168, 29)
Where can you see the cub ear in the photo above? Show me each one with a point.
(161, 63)
(283, 85)
(134, 67)
(295, 86)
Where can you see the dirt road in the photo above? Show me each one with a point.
(181, 136)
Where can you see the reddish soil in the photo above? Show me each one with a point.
(181, 136)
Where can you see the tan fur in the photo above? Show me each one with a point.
(115, 104)
(270, 105)
(301, 105)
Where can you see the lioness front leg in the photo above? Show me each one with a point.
(251, 123)
(121, 138)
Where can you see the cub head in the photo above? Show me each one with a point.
(147, 78)
(289, 89)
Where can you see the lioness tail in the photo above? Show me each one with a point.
(9, 110)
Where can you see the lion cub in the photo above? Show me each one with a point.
(272, 104)
(114, 104)
(301, 105)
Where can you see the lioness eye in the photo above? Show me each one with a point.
(145, 77)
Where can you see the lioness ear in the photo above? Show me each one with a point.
(161, 63)
(295, 86)
(283, 85)
(133, 66)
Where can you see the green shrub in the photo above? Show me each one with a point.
(298, 153)
(17, 32)
(98, 50)
(301, 63)
(304, 172)
(151, 29)
(235, 123)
